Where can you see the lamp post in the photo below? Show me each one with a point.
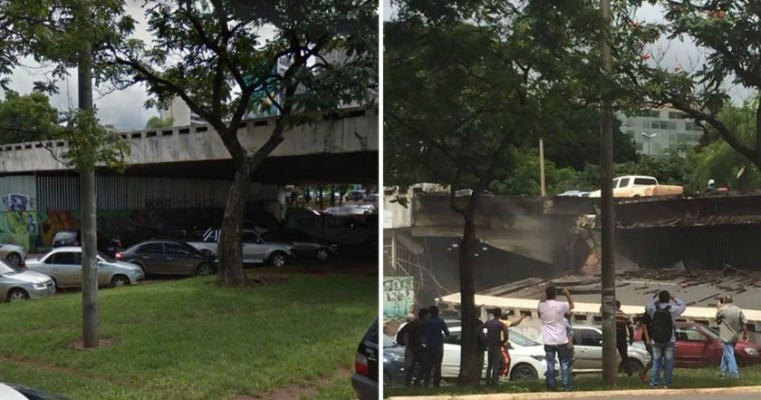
(649, 136)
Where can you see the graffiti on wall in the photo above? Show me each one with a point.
(398, 296)
(19, 221)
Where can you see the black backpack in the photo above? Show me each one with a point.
(661, 326)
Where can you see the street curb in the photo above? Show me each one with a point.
(576, 395)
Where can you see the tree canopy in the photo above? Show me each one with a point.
(25, 118)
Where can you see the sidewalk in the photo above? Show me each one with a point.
(753, 392)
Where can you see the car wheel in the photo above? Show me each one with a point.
(323, 254)
(387, 380)
(119, 280)
(278, 259)
(14, 259)
(17, 295)
(635, 366)
(204, 269)
(523, 372)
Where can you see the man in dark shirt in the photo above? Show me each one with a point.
(624, 336)
(496, 337)
(412, 333)
(435, 330)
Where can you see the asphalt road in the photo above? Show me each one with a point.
(661, 394)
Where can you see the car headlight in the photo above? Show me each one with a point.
(40, 285)
(538, 358)
(751, 351)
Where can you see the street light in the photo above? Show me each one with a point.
(649, 144)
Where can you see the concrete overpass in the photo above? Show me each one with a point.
(336, 149)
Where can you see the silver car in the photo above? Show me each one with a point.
(12, 253)
(588, 351)
(64, 265)
(17, 284)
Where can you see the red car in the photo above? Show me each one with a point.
(699, 346)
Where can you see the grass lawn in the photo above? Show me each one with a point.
(683, 379)
(188, 339)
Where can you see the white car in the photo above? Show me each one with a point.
(527, 357)
(64, 265)
(12, 253)
(17, 284)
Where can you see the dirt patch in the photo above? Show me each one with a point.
(298, 391)
(78, 344)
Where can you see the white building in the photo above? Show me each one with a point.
(656, 130)
(181, 114)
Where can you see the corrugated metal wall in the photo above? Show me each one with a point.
(22, 184)
(132, 193)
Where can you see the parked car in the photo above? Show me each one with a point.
(640, 186)
(168, 257)
(105, 244)
(307, 246)
(527, 357)
(394, 370)
(64, 265)
(699, 346)
(255, 249)
(17, 284)
(13, 391)
(344, 230)
(355, 196)
(15, 255)
(365, 377)
(587, 346)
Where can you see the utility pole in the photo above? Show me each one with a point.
(541, 166)
(87, 207)
(608, 247)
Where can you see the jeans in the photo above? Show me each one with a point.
(435, 357)
(417, 364)
(494, 364)
(663, 356)
(565, 374)
(728, 361)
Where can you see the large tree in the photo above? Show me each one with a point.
(470, 84)
(223, 62)
(728, 33)
(25, 118)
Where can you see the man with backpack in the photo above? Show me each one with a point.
(732, 322)
(663, 311)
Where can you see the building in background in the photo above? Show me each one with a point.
(181, 114)
(656, 130)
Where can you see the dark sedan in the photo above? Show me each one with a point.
(306, 246)
(168, 257)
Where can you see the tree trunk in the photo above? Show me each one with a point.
(88, 218)
(230, 249)
(470, 372)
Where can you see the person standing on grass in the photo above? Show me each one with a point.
(663, 311)
(435, 331)
(569, 333)
(411, 336)
(644, 326)
(496, 336)
(424, 364)
(504, 351)
(732, 323)
(554, 336)
(624, 331)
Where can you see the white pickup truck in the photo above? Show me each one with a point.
(640, 186)
(255, 249)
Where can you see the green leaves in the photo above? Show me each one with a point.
(90, 145)
(27, 118)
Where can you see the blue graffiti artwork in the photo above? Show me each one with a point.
(16, 202)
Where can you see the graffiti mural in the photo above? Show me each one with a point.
(17, 202)
(398, 296)
(18, 220)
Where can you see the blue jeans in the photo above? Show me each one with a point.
(565, 363)
(728, 362)
(663, 356)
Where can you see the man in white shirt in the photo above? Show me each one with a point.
(554, 336)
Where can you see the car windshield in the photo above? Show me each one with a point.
(106, 258)
(520, 340)
(5, 268)
(713, 334)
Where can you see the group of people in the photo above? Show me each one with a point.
(657, 331)
(423, 339)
